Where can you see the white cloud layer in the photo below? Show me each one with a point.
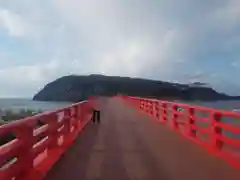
(155, 39)
(13, 23)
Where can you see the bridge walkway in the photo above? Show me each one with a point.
(127, 145)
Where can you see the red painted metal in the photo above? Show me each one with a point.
(204, 126)
(38, 146)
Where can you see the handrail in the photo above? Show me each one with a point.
(218, 131)
(37, 142)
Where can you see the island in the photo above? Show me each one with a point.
(75, 88)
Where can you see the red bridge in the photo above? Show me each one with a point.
(138, 139)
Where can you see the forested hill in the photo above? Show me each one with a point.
(77, 88)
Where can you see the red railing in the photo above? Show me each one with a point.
(216, 130)
(40, 141)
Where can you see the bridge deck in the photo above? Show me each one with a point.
(129, 146)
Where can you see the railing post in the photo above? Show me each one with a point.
(142, 104)
(174, 117)
(79, 116)
(25, 135)
(67, 124)
(146, 106)
(73, 117)
(157, 110)
(164, 112)
(53, 130)
(191, 121)
(217, 144)
(151, 108)
(139, 103)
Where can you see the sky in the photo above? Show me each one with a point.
(170, 40)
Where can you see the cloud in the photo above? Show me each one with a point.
(12, 22)
(235, 64)
(28, 79)
(162, 39)
(228, 14)
(121, 39)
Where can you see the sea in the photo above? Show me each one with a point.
(16, 104)
(223, 105)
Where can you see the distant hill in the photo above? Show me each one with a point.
(77, 88)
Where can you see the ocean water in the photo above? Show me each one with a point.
(18, 104)
(224, 105)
